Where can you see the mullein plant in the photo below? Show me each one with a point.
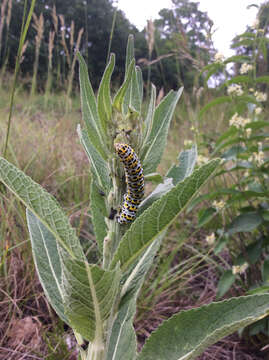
(98, 300)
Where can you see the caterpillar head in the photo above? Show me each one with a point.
(121, 148)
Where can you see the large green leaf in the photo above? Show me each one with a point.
(187, 334)
(160, 215)
(121, 93)
(154, 143)
(122, 340)
(43, 206)
(89, 293)
(89, 109)
(134, 94)
(187, 161)
(158, 192)
(245, 222)
(150, 115)
(47, 262)
(129, 53)
(99, 214)
(136, 91)
(98, 164)
(104, 103)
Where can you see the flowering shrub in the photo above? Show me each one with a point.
(241, 207)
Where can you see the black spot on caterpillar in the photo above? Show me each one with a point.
(112, 214)
(135, 183)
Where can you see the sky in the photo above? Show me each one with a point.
(230, 17)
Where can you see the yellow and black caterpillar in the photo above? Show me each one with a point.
(134, 180)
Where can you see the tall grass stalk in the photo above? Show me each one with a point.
(49, 79)
(58, 60)
(2, 21)
(6, 52)
(24, 30)
(63, 33)
(39, 27)
(72, 70)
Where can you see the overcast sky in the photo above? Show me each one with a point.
(230, 16)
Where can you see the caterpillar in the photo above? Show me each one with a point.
(135, 183)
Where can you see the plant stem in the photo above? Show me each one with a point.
(96, 350)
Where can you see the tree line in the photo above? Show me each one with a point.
(171, 50)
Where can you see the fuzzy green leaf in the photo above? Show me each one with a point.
(89, 109)
(99, 214)
(104, 103)
(99, 166)
(155, 142)
(47, 262)
(156, 194)
(150, 115)
(43, 206)
(129, 53)
(154, 177)
(187, 334)
(122, 341)
(187, 161)
(89, 293)
(136, 91)
(160, 215)
(121, 93)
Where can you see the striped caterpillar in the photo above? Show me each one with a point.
(135, 183)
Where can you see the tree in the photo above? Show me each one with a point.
(184, 33)
(94, 16)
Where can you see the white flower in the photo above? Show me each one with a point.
(259, 145)
(258, 157)
(239, 269)
(251, 90)
(248, 132)
(218, 57)
(210, 239)
(255, 24)
(187, 142)
(218, 205)
(201, 159)
(258, 110)
(239, 121)
(245, 68)
(235, 89)
(260, 96)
